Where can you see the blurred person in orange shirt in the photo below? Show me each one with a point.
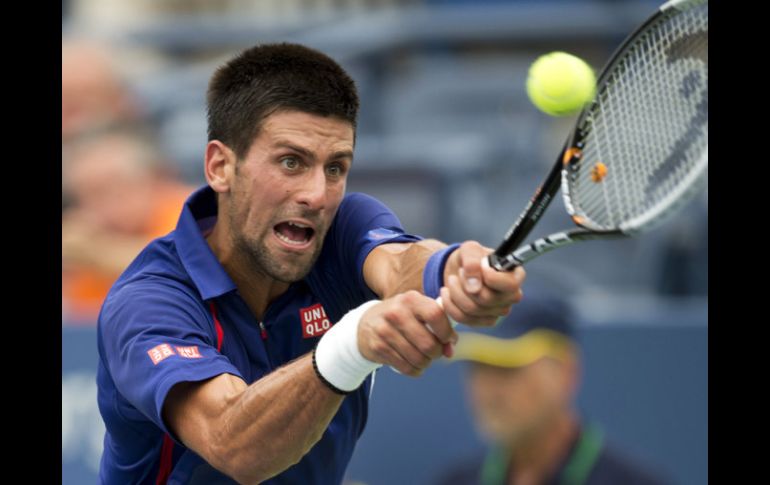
(121, 196)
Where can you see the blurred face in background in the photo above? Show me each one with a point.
(110, 184)
(92, 93)
(511, 405)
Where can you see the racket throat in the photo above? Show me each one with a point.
(529, 252)
(545, 244)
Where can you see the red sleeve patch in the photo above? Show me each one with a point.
(160, 352)
(189, 352)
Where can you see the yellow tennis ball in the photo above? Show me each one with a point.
(560, 84)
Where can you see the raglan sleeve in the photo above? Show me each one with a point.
(152, 336)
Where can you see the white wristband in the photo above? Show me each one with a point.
(337, 356)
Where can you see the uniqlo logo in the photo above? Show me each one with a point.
(189, 352)
(314, 321)
(160, 352)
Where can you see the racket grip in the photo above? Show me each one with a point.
(492, 259)
(451, 320)
(502, 264)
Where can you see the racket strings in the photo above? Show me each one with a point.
(648, 125)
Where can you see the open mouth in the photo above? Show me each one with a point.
(294, 233)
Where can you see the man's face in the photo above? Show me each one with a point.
(287, 190)
(512, 404)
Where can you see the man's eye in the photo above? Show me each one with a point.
(336, 170)
(290, 163)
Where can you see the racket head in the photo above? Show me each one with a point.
(639, 151)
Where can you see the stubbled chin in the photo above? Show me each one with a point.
(293, 266)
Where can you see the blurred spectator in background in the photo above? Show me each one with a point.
(122, 195)
(522, 380)
(93, 92)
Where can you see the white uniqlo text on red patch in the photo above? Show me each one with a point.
(160, 352)
(189, 352)
(314, 321)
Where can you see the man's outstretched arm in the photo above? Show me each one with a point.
(472, 292)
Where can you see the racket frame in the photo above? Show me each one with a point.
(510, 253)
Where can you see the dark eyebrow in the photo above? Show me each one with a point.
(305, 153)
(308, 154)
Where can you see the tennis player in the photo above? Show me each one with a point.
(241, 346)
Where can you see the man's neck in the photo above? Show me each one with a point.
(535, 460)
(257, 289)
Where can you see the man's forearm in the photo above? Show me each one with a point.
(267, 427)
(396, 268)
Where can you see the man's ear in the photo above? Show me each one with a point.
(219, 166)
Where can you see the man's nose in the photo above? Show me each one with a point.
(313, 191)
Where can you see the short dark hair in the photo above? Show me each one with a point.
(271, 77)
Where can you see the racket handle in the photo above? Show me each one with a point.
(492, 259)
(502, 264)
(451, 320)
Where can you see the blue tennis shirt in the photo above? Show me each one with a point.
(175, 315)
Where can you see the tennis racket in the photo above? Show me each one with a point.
(639, 149)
